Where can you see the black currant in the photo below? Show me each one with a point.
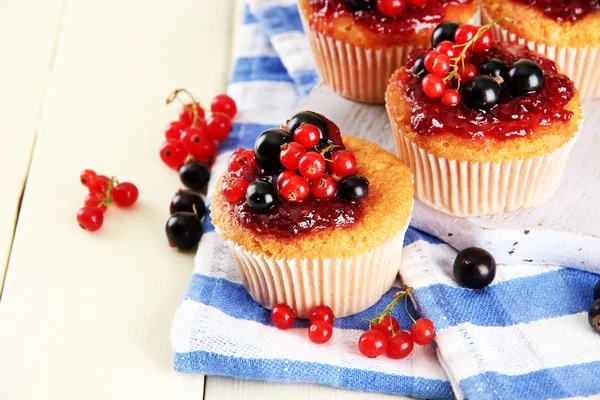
(310, 117)
(261, 196)
(444, 31)
(481, 93)
(597, 291)
(184, 230)
(494, 68)
(359, 5)
(267, 148)
(353, 188)
(194, 175)
(474, 268)
(524, 77)
(594, 316)
(188, 201)
(418, 68)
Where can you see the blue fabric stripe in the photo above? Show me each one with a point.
(496, 306)
(295, 371)
(305, 81)
(278, 19)
(554, 383)
(412, 235)
(242, 135)
(249, 18)
(251, 69)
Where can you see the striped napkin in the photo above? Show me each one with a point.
(524, 337)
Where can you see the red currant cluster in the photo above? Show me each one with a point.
(385, 336)
(446, 66)
(103, 191)
(387, 8)
(321, 321)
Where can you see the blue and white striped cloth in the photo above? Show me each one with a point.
(524, 337)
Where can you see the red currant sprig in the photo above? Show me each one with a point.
(321, 317)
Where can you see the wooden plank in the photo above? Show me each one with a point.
(26, 55)
(88, 315)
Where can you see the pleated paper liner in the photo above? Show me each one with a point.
(348, 284)
(582, 65)
(468, 189)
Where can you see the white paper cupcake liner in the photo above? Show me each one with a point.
(467, 189)
(348, 285)
(582, 65)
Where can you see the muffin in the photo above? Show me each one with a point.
(312, 219)
(565, 31)
(357, 47)
(490, 137)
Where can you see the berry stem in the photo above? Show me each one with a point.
(326, 149)
(174, 95)
(454, 66)
(406, 291)
(406, 308)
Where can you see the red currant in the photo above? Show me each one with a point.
(387, 326)
(186, 115)
(485, 41)
(464, 33)
(234, 189)
(196, 141)
(88, 178)
(243, 162)
(294, 189)
(319, 332)
(290, 154)
(224, 104)
(90, 218)
(173, 154)
(284, 176)
(343, 163)
(324, 187)
(208, 160)
(391, 8)
(125, 194)
(422, 331)
(95, 200)
(417, 3)
(429, 57)
(441, 65)
(448, 48)
(433, 86)
(467, 73)
(312, 165)
(101, 185)
(283, 316)
(372, 343)
(307, 135)
(218, 126)
(451, 97)
(173, 130)
(322, 313)
(400, 346)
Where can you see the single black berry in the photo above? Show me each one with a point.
(184, 230)
(418, 68)
(267, 148)
(310, 117)
(359, 5)
(494, 68)
(194, 175)
(188, 201)
(594, 316)
(261, 196)
(524, 77)
(353, 188)
(474, 268)
(444, 31)
(597, 291)
(481, 93)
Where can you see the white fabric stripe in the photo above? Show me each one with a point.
(258, 5)
(264, 102)
(424, 264)
(252, 42)
(519, 349)
(252, 340)
(294, 51)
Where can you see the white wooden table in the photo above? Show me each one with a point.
(82, 83)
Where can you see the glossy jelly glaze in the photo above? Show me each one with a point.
(564, 10)
(412, 18)
(512, 117)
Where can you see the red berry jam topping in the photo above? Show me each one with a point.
(298, 179)
(386, 17)
(564, 10)
(470, 87)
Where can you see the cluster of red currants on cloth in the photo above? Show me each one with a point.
(103, 191)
